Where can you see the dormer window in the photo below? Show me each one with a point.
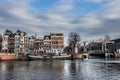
(47, 38)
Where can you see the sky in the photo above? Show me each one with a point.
(92, 19)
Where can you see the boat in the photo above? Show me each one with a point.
(49, 57)
(7, 57)
(13, 56)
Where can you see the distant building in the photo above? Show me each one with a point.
(17, 41)
(95, 46)
(101, 46)
(39, 45)
(8, 42)
(0, 42)
(31, 43)
(21, 42)
(57, 42)
(115, 47)
(47, 43)
(26, 42)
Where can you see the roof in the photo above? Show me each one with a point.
(56, 34)
(11, 35)
(116, 40)
(47, 37)
(7, 32)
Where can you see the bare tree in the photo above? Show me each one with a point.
(72, 40)
(107, 38)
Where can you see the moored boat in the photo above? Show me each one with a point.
(13, 56)
(50, 57)
(7, 57)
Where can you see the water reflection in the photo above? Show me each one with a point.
(92, 69)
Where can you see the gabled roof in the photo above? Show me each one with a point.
(18, 32)
(47, 37)
(7, 32)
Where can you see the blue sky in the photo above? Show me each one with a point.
(80, 7)
(92, 19)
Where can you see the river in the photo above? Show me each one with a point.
(89, 69)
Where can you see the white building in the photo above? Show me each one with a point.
(47, 43)
(31, 44)
(8, 42)
(5, 43)
(21, 42)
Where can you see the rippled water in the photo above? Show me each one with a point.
(91, 69)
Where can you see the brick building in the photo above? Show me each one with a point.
(57, 42)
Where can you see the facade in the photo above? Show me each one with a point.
(17, 41)
(26, 42)
(21, 42)
(0, 42)
(31, 43)
(115, 47)
(57, 43)
(53, 43)
(47, 43)
(11, 43)
(8, 42)
(39, 45)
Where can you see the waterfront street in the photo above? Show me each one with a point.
(91, 69)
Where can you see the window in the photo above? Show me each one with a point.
(47, 38)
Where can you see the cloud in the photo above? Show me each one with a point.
(16, 14)
(113, 9)
(87, 22)
(63, 8)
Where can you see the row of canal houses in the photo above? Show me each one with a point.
(21, 42)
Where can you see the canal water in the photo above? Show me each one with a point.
(91, 69)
